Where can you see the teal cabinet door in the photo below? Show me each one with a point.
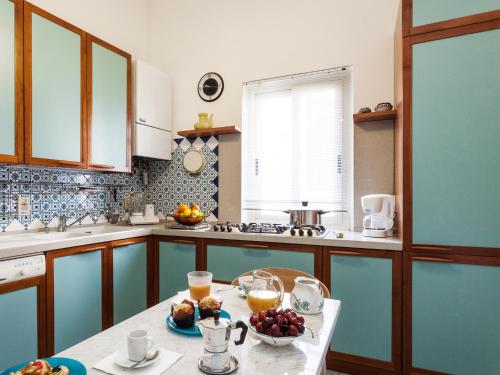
(108, 107)
(430, 11)
(175, 261)
(18, 326)
(129, 281)
(7, 79)
(364, 286)
(455, 317)
(55, 89)
(228, 262)
(456, 141)
(77, 298)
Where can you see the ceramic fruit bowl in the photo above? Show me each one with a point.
(189, 220)
(274, 341)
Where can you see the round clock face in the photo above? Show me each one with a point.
(210, 87)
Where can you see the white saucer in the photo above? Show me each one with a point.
(121, 359)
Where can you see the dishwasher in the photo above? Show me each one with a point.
(22, 310)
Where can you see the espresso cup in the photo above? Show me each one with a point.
(138, 344)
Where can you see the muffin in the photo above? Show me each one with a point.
(183, 314)
(207, 306)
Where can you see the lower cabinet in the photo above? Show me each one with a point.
(76, 281)
(22, 321)
(176, 257)
(229, 259)
(368, 329)
(130, 278)
(452, 314)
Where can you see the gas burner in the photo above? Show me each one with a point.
(251, 228)
(308, 230)
(225, 227)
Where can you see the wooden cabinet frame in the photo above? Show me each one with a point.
(409, 257)
(279, 246)
(18, 156)
(128, 168)
(39, 283)
(409, 29)
(357, 364)
(408, 42)
(29, 9)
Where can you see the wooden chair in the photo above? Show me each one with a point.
(287, 275)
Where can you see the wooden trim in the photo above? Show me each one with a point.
(107, 287)
(336, 358)
(407, 16)
(359, 118)
(456, 31)
(39, 283)
(128, 168)
(221, 130)
(18, 156)
(129, 241)
(353, 367)
(408, 258)
(407, 144)
(151, 274)
(455, 22)
(29, 9)
(50, 256)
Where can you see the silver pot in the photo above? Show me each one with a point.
(305, 216)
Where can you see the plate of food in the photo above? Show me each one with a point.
(277, 327)
(48, 366)
(183, 316)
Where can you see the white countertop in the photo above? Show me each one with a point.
(304, 356)
(24, 243)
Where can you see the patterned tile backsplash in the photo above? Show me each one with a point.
(54, 191)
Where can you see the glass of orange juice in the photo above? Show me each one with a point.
(263, 294)
(199, 283)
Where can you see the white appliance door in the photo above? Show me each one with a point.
(152, 143)
(153, 96)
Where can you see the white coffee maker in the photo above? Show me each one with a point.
(380, 215)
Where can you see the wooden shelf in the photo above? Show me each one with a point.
(374, 116)
(231, 129)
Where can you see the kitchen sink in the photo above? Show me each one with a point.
(104, 229)
(55, 235)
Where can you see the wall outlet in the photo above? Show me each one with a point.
(23, 206)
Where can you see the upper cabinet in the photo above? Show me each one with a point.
(11, 81)
(108, 106)
(54, 92)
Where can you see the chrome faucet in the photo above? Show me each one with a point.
(63, 221)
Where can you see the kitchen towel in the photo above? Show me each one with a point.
(166, 359)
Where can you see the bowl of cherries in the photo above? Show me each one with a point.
(277, 327)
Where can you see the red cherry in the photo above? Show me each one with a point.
(272, 312)
(278, 319)
(301, 319)
(259, 327)
(280, 312)
(254, 320)
(301, 328)
(293, 314)
(293, 321)
(268, 322)
(293, 331)
(288, 310)
(268, 331)
(288, 315)
(275, 330)
(262, 316)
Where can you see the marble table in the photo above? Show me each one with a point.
(304, 356)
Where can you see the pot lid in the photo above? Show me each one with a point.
(214, 323)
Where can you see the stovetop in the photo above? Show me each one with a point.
(267, 228)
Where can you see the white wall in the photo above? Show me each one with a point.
(123, 23)
(247, 40)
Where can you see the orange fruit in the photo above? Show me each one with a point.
(182, 207)
(195, 207)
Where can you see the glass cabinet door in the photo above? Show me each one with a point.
(54, 90)
(108, 95)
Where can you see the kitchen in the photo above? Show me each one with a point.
(406, 304)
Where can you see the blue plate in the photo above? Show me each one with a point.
(75, 367)
(194, 330)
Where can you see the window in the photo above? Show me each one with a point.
(296, 146)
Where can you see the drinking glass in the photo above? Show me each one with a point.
(263, 294)
(199, 283)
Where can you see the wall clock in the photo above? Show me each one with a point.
(210, 87)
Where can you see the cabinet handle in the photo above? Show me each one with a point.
(183, 241)
(434, 248)
(256, 246)
(102, 166)
(344, 252)
(433, 259)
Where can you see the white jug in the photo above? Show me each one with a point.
(307, 296)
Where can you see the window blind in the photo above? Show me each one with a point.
(293, 145)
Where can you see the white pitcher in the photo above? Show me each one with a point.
(307, 296)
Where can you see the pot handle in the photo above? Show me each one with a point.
(243, 334)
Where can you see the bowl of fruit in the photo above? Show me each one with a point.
(277, 327)
(188, 215)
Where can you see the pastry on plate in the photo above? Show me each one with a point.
(207, 306)
(41, 367)
(183, 314)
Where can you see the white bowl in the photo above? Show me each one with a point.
(274, 341)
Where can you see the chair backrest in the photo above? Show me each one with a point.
(287, 276)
